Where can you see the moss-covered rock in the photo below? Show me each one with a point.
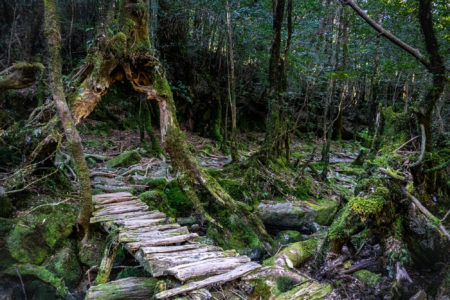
(296, 214)
(64, 264)
(368, 278)
(297, 253)
(39, 272)
(37, 233)
(125, 159)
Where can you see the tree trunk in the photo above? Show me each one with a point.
(52, 34)
(276, 132)
(232, 87)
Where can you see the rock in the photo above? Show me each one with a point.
(368, 278)
(288, 236)
(125, 159)
(37, 233)
(40, 273)
(64, 264)
(186, 221)
(296, 214)
(138, 179)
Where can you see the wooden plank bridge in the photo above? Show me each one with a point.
(164, 248)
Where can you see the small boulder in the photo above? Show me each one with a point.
(37, 233)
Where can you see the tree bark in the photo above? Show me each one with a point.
(52, 33)
(232, 87)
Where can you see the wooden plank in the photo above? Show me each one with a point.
(218, 279)
(116, 204)
(159, 242)
(119, 210)
(158, 265)
(174, 250)
(126, 288)
(143, 229)
(119, 218)
(149, 221)
(207, 267)
(125, 237)
(168, 249)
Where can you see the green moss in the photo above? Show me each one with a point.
(91, 253)
(298, 253)
(324, 211)
(125, 159)
(285, 284)
(343, 226)
(177, 200)
(261, 290)
(157, 200)
(239, 235)
(64, 264)
(37, 233)
(118, 44)
(368, 278)
(39, 272)
(156, 184)
(108, 291)
(370, 205)
(233, 188)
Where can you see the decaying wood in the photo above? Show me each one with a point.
(127, 288)
(206, 268)
(108, 259)
(160, 242)
(20, 75)
(168, 249)
(218, 279)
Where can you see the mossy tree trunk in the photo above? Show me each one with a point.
(276, 141)
(127, 55)
(53, 36)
